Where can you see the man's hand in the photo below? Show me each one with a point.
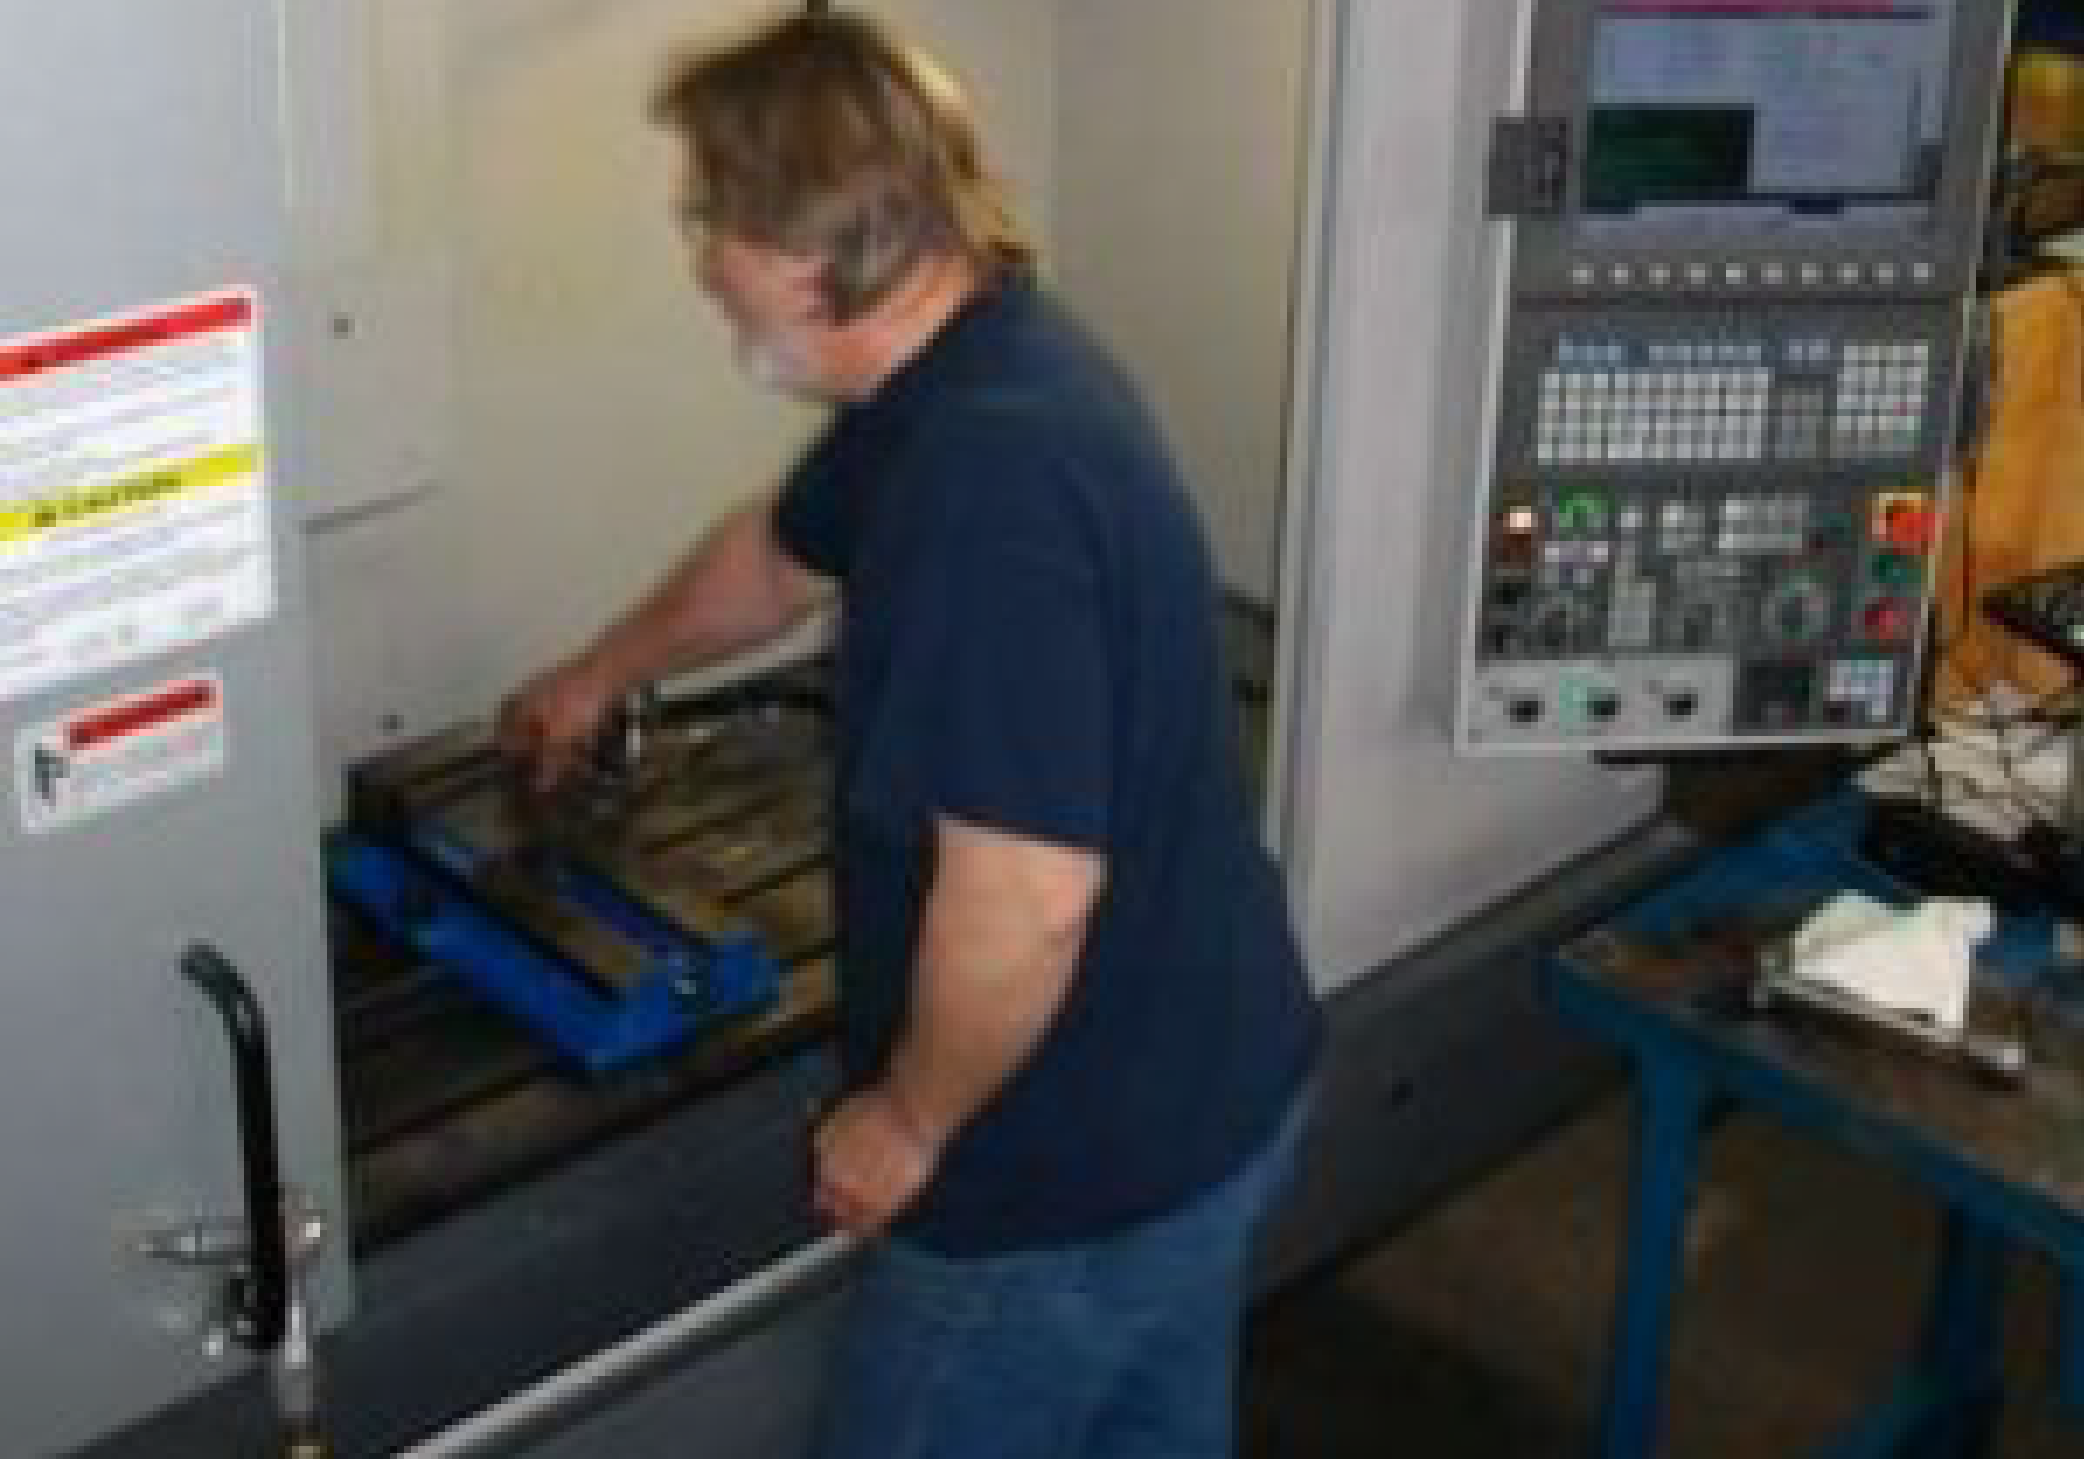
(872, 1162)
(550, 722)
(737, 589)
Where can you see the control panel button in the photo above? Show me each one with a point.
(1681, 703)
(1523, 710)
(1582, 515)
(1887, 620)
(1602, 706)
(1736, 275)
(1797, 612)
(1558, 624)
(1850, 275)
(1697, 275)
(1583, 276)
(1908, 523)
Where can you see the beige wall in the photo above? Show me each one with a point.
(562, 392)
(1178, 176)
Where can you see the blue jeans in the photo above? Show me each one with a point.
(1125, 1348)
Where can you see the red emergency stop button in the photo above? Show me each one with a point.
(1909, 526)
(1887, 620)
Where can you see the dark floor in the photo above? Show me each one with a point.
(1480, 1329)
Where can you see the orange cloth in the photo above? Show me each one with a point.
(2021, 503)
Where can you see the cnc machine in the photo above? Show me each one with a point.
(349, 371)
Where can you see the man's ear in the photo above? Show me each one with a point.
(803, 279)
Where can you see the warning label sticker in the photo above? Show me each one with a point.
(133, 494)
(107, 755)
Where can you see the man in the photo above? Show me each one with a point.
(1074, 1026)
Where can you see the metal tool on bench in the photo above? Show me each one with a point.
(1778, 985)
(656, 896)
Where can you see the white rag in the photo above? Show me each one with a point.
(1918, 961)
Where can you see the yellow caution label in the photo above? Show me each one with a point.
(20, 521)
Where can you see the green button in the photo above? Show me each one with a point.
(1584, 513)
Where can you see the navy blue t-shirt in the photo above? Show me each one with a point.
(1028, 643)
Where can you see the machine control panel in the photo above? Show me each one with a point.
(1727, 370)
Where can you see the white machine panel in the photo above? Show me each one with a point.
(158, 693)
(1394, 838)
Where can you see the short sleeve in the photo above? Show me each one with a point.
(812, 519)
(1000, 707)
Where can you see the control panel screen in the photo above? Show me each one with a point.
(1766, 114)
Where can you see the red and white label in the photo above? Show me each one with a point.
(133, 489)
(111, 754)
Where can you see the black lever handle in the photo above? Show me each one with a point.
(260, 1301)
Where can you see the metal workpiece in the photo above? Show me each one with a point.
(619, 748)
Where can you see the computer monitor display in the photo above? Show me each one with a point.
(1766, 115)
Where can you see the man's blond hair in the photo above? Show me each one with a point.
(823, 134)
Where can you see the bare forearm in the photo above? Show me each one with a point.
(998, 949)
(976, 1016)
(734, 591)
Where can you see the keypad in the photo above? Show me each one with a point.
(1880, 407)
(1662, 402)
(1709, 401)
